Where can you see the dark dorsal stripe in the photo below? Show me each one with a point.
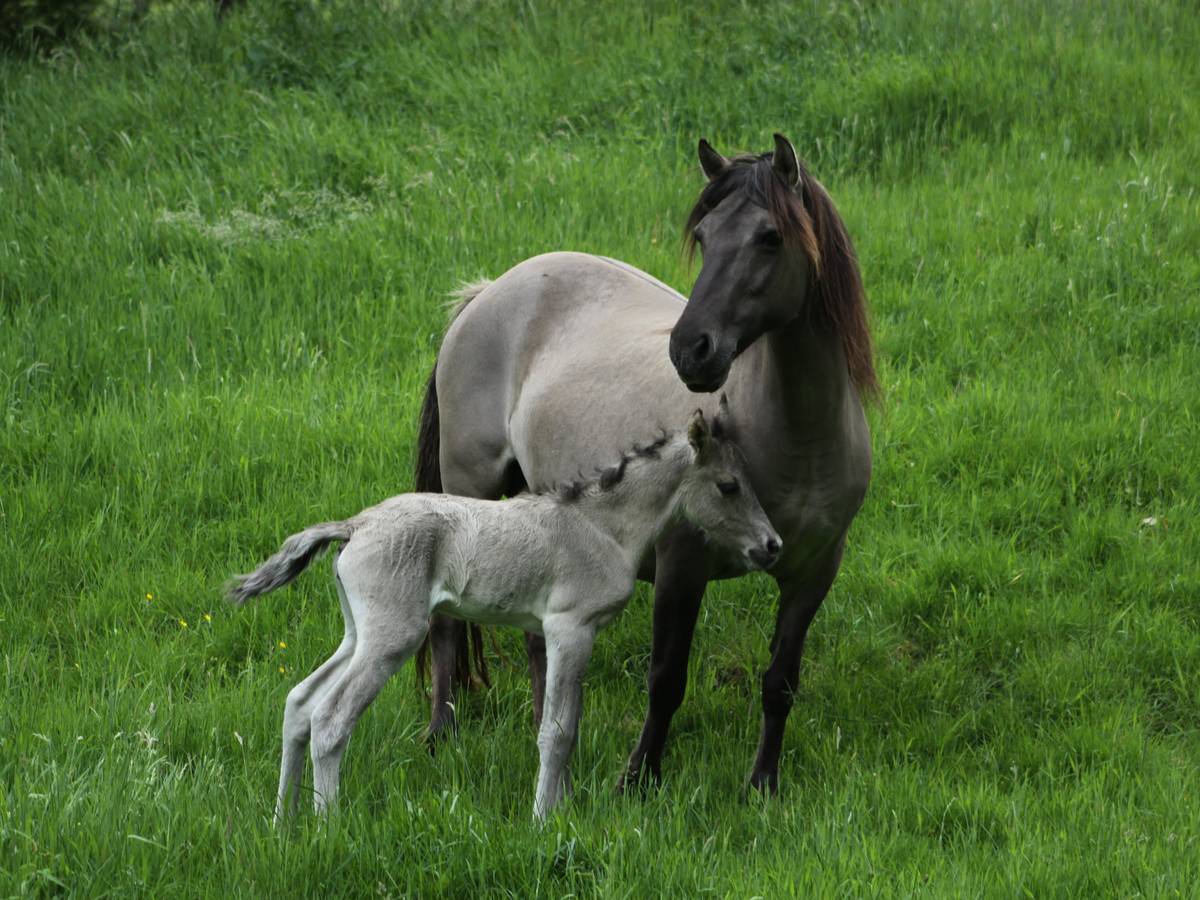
(612, 475)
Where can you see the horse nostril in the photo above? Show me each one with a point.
(702, 349)
(772, 546)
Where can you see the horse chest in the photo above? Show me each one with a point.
(807, 524)
(811, 514)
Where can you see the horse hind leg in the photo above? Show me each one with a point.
(297, 711)
(448, 645)
(450, 671)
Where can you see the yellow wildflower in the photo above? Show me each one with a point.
(282, 669)
(183, 623)
(149, 597)
(208, 617)
(283, 645)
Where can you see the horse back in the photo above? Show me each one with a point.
(556, 368)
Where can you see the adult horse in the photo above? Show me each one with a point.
(546, 370)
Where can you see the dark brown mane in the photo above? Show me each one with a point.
(810, 224)
(612, 475)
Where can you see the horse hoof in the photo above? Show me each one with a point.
(439, 730)
(638, 781)
(765, 784)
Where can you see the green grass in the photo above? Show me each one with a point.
(223, 257)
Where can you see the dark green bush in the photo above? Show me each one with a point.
(30, 24)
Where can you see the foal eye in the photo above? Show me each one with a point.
(728, 488)
(770, 239)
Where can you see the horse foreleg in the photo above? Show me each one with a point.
(679, 581)
(799, 601)
(568, 648)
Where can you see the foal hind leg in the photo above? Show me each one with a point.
(298, 710)
(390, 610)
(340, 708)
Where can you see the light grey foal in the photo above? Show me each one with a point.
(561, 564)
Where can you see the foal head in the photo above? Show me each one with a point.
(774, 247)
(715, 494)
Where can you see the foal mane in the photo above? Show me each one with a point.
(608, 477)
(811, 224)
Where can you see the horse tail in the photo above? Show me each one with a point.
(427, 474)
(470, 666)
(293, 558)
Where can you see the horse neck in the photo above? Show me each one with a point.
(799, 371)
(638, 508)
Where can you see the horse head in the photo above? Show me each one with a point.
(771, 242)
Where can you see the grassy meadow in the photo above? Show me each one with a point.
(224, 255)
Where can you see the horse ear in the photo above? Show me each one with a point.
(712, 163)
(698, 433)
(785, 163)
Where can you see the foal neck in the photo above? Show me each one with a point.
(639, 506)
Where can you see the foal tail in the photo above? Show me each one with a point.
(293, 558)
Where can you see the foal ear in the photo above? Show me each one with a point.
(721, 424)
(698, 433)
(712, 163)
(785, 163)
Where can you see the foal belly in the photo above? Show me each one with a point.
(490, 608)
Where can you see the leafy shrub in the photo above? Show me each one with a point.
(32, 24)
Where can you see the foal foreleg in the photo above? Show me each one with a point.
(568, 648)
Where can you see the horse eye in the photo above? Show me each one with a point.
(728, 488)
(770, 239)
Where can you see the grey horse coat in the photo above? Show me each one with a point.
(546, 367)
(563, 566)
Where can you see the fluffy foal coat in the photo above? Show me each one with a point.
(560, 564)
